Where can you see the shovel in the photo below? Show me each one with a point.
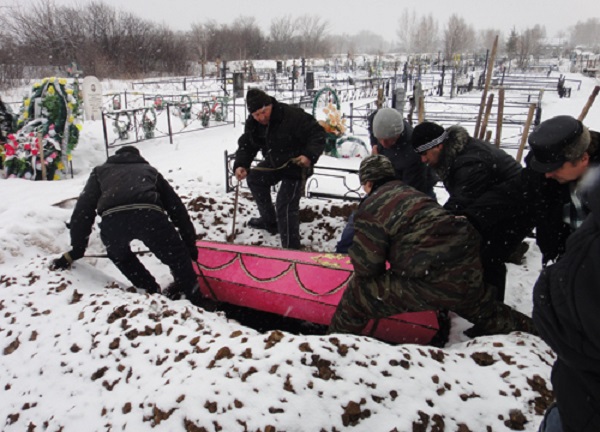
(231, 237)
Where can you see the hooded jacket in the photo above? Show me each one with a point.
(291, 132)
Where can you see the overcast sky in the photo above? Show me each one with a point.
(352, 16)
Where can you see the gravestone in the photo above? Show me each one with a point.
(92, 98)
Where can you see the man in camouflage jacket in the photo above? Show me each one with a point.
(433, 259)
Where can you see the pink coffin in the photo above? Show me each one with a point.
(296, 284)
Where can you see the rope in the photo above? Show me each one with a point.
(290, 161)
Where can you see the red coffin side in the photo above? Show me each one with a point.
(296, 284)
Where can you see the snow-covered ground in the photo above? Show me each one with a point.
(82, 351)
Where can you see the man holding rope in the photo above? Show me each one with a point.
(291, 142)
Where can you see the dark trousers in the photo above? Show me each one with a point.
(154, 229)
(286, 211)
(496, 247)
(347, 237)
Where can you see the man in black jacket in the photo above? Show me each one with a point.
(562, 151)
(291, 142)
(135, 203)
(566, 301)
(469, 167)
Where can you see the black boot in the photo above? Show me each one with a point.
(259, 223)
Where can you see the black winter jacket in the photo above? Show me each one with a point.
(566, 301)
(125, 181)
(469, 167)
(291, 132)
(542, 199)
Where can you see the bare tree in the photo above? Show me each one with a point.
(37, 29)
(248, 38)
(312, 32)
(459, 37)
(282, 36)
(486, 37)
(407, 24)
(586, 34)
(529, 45)
(368, 42)
(426, 34)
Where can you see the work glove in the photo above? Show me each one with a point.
(62, 263)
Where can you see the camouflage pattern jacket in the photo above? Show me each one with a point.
(412, 232)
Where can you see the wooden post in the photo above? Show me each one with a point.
(488, 79)
(380, 98)
(589, 103)
(525, 132)
(486, 117)
(421, 109)
(231, 237)
(500, 116)
(41, 153)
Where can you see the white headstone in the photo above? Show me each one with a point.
(92, 98)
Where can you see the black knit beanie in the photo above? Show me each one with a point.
(427, 135)
(256, 99)
(128, 149)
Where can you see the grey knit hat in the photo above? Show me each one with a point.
(387, 123)
(375, 167)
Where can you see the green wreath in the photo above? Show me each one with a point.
(318, 95)
(205, 114)
(221, 113)
(122, 128)
(185, 107)
(159, 102)
(59, 114)
(149, 122)
(116, 102)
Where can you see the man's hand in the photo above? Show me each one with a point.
(302, 161)
(241, 173)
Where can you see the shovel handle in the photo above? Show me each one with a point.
(235, 205)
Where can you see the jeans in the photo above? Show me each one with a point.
(347, 236)
(551, 421)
